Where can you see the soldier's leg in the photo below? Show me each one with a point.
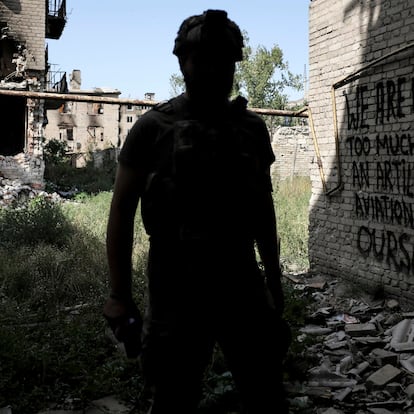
(174, 366)
(254, 348)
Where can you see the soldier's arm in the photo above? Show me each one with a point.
(120, 232)
(268, 247)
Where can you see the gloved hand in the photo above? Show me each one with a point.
(125, 321)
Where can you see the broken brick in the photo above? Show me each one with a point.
(360, 329)
(383, 376)
(383, 357)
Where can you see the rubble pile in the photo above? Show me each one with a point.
(13, 193)
(365, 349)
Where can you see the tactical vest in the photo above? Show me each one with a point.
(204, 178)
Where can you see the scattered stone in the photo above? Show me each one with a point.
(110, 405)
(358, 370)
(13, 193)
(360, 329)
(332, 410)
(379, 411)
(336, 345)
(408, 364)
(342, 394)
(393, 304)
(393, 387)
(58, 412)
(360, 357)
(315, 330)
(383, 357)
(402, 336)
(409, 390)
(383, 376)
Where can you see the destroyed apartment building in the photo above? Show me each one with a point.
(90, 127)
(24, 27)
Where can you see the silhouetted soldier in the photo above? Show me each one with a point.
(200, 164)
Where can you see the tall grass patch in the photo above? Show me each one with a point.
(53, 284)
(291, 198)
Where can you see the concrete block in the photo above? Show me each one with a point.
(383, 357)
(383, 376)
(360, 329)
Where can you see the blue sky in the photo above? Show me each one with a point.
(127, 44)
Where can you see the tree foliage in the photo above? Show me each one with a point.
(177, 84)
(262, 77)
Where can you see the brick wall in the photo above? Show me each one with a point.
(365, 230)
(294, 152)
(26, 20)
(25, 23)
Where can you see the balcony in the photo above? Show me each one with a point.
(55, 18)
(55, 82)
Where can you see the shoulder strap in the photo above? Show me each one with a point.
(174, 106)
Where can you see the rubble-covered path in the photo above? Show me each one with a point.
(360, 349)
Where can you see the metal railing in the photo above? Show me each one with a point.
(56, 8)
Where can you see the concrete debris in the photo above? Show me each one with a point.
(364, 349)
(408, 364)
(360, 329)
(383, 376)
(110, 405)
(13, 193)
(106, 405)
(410, 391)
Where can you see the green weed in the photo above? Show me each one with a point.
(291, 199)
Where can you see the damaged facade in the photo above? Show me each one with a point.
(362, 93)
(90, 128)
(24, 26)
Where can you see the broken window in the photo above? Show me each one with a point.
(8, 52)
(66, 108)
(13, 112)
(95, 109)
(91, 132)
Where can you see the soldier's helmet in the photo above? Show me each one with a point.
(210, 32)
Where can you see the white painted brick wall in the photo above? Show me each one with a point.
(348, 238)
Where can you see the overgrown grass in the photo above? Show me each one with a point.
(291, 198)
(53, 283)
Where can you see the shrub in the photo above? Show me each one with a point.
(38, 221)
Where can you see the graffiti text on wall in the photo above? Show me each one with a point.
(380, 151)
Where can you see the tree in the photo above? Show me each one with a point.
(177, 84)
(263, 77)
